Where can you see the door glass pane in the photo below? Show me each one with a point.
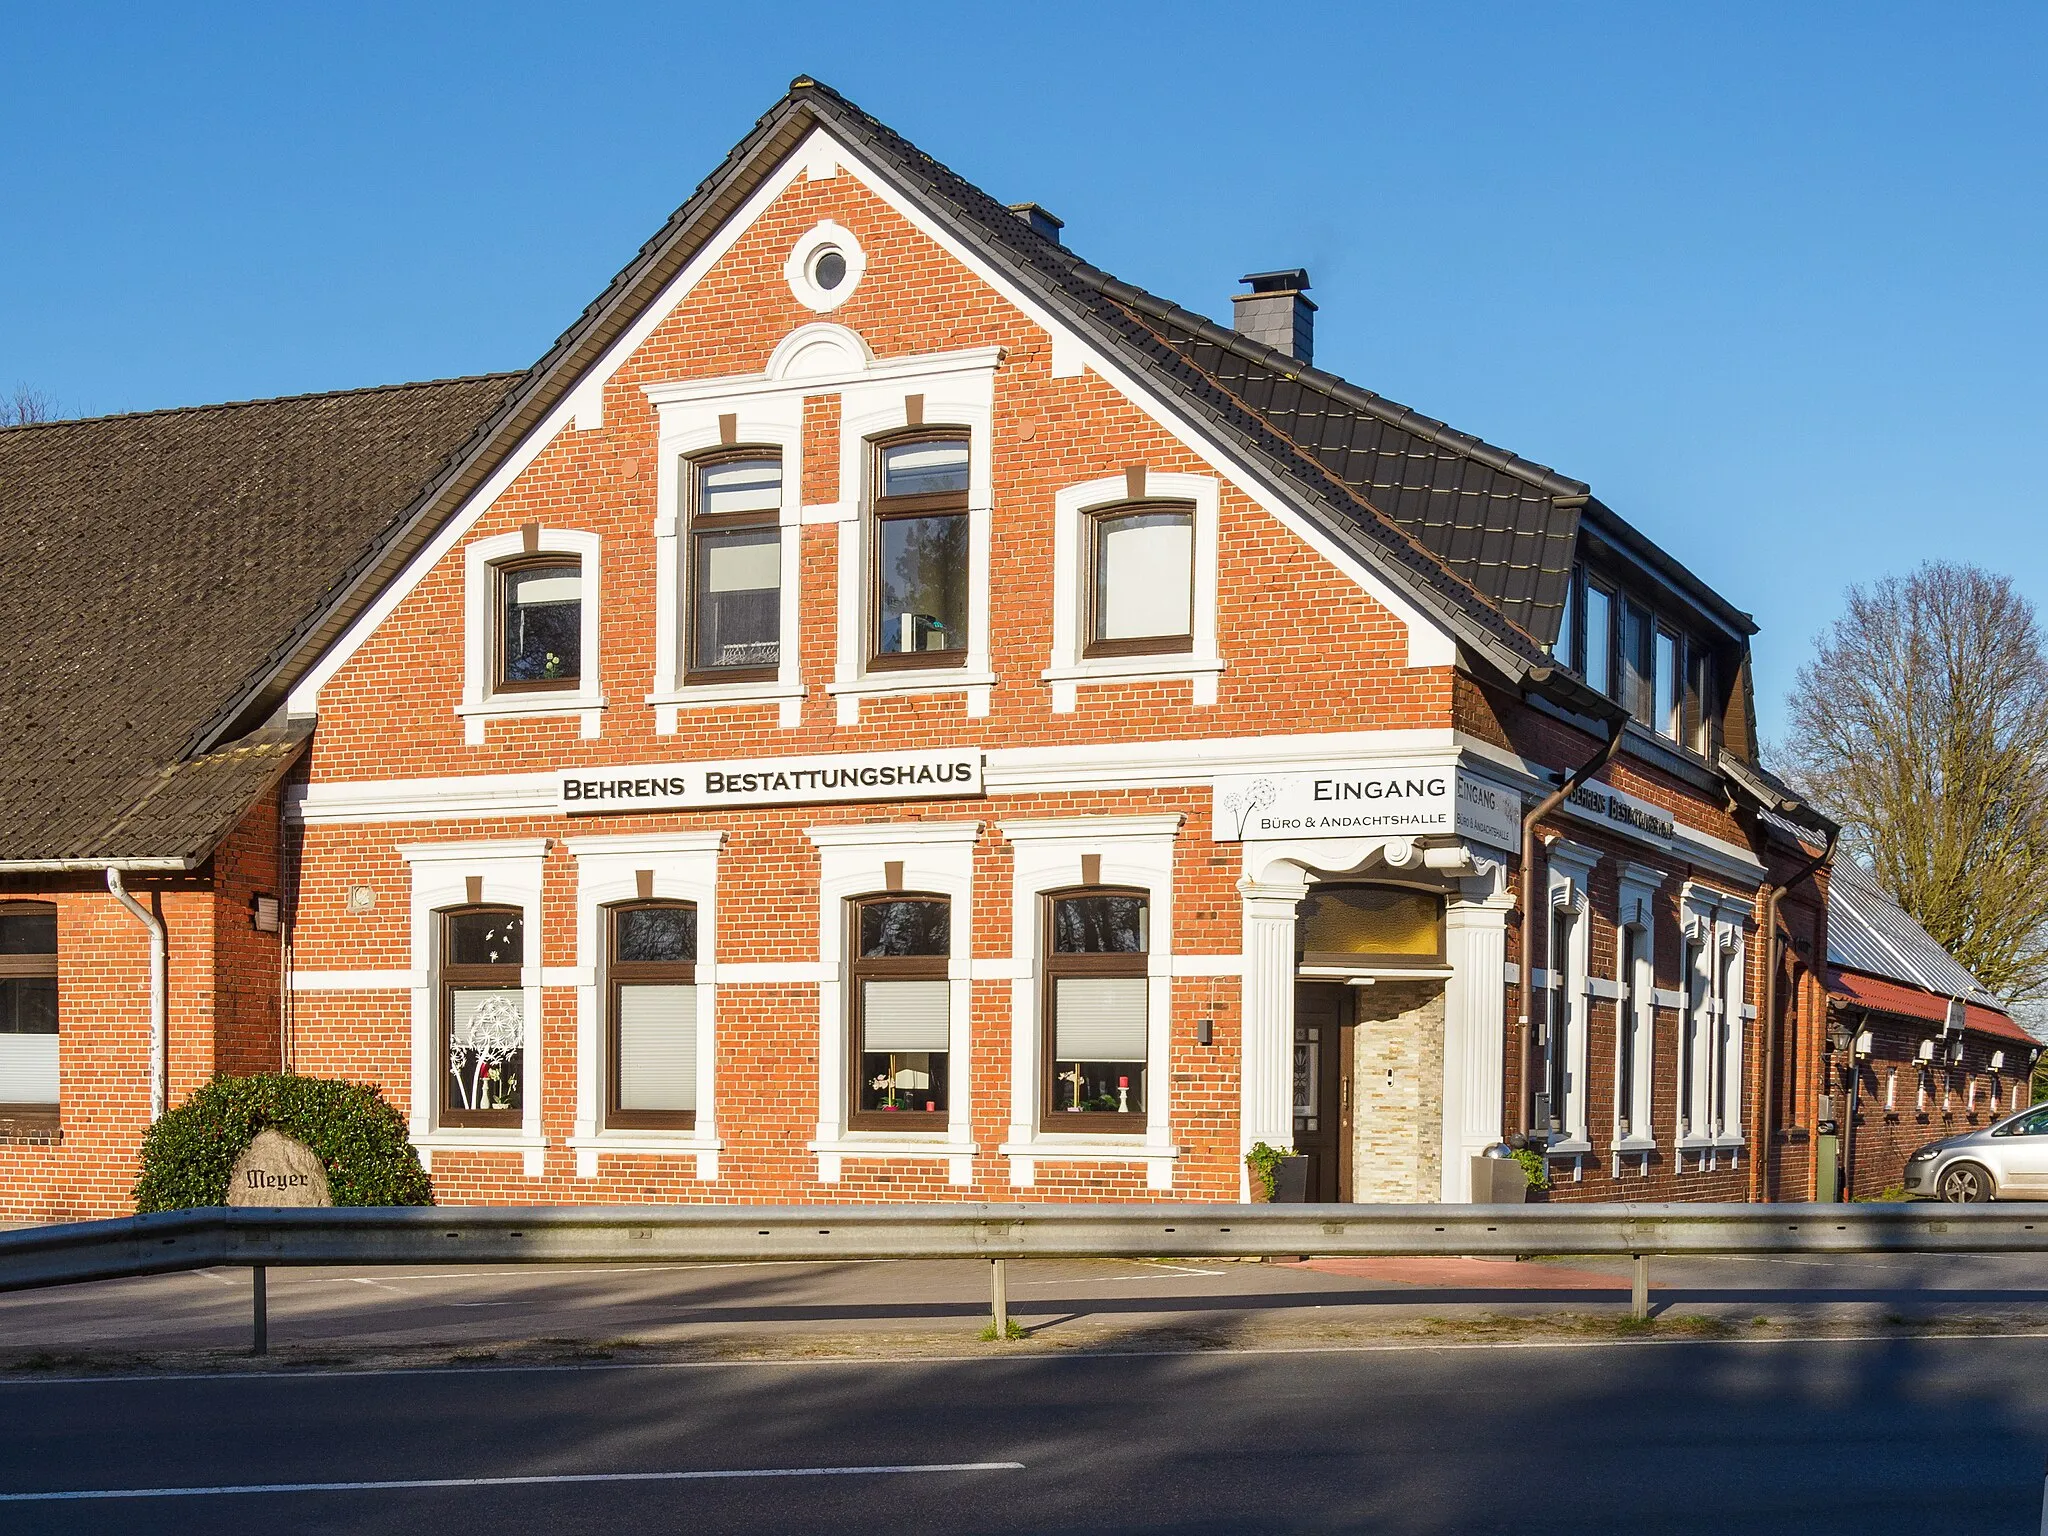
(740, 485)
(486, 938)
(655, 935)
(657, 1047)
(543, 624)
(738, 601)
(486, 1047)
(923, 584)
(1109, 924)
(1308, 1068)
(1144, 575)
(924, 469)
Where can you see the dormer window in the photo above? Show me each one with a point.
(540, 624)
(1627, 651)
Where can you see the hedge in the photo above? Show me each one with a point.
(188, 1154)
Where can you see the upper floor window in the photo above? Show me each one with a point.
(483, 1016)
(1651, 668)
(901, 1022)
(28, 1006)
(1096, 1010)
(735, 556)
(1141, 583)
(1598, 650)
(540, 623)
(920, 553)
(651, 1014)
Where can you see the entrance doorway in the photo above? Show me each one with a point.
(1324, 1019)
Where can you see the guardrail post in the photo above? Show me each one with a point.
(999, 1302)
(1639, 1290)
(260, 1321)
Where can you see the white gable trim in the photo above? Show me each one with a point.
(1430, 642)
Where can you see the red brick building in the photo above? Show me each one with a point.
(884, 709)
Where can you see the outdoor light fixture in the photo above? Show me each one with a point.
(1205, 1032)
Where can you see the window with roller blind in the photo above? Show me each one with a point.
(28, 1011)
(651, 1015)
(901, 1012)
(483, 1016)
(1096, 1010)
(1141, 580)
(735, 581)
(918, 596)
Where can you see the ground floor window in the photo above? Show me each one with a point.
(483, 1016)
(1095, 963)
(901, 1021)
(651, 1014)
(28, 1006)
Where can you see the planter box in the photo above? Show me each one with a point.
(1499, 1181)
(1290, 1183)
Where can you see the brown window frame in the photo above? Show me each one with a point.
(453, 976)
(889, 968)
(1091, 593)
(618, 974)
(26, 1116)
(884, 509)
(717, 522)
(1051, 968)
(500, 570)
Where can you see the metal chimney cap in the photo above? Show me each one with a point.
(1287, 280)
(1042, 220)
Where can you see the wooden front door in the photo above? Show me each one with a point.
(1322, 1086)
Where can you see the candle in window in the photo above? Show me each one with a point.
(1123, 1095)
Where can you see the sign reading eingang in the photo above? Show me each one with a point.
(941, 775)
(1396, 800)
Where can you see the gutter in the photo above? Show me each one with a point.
(159, 995)
(161, 866)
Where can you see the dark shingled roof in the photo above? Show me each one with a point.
(154, 560)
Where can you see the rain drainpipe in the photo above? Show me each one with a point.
(159, 994)
(1760, 1161)
(1541, 809)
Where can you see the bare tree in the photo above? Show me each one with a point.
(26, 405)
(1921, 723)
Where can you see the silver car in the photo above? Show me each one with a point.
(2006, 1161)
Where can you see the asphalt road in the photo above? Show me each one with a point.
(1915, 1435)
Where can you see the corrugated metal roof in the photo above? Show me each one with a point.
(1868, 931)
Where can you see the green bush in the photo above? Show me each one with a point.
(1535, 1168)
(188, 1155)
(1264, 1162)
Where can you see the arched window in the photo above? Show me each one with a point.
(901, 1012)
(1096, 1010)
(540, 624)
(1141, 579)
(28, 1009)
(651, 1014)
(483, 1016)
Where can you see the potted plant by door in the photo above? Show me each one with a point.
(1276, 1175)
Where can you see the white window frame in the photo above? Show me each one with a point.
(480, 703)
(1638, 912)
(1070, 668)
(962, 400)
(937, 857)
(1570, 866)
(1136, 853)
(1718, 923)
(510, 874)
(690, 429)
(683, 866)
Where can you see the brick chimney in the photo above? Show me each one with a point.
(1041, 220)
(1278, 312)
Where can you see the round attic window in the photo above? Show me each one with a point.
(825, 267)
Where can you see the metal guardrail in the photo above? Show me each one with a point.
(259, 1238)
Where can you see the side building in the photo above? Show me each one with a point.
(884, 709)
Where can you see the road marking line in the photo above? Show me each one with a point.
(538, 1479)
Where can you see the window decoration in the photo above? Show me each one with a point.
(28, 1008)
(483, 1016)
(1097, 944)
(1141, 585)
(920, 557)
(1380, 924)
(735, 559)
(540, 624)
(901, 1021)
(825, 267)
(651, 1015)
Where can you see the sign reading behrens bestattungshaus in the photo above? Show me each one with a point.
(945, 774)
(1403, 800)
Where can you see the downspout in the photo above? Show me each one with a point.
(1542, 808)
(159, 995)
(1760, 1162)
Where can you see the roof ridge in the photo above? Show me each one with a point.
(238, 405)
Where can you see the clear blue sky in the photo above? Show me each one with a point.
(1769, 277)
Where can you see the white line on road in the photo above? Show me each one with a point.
(75, 1494)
